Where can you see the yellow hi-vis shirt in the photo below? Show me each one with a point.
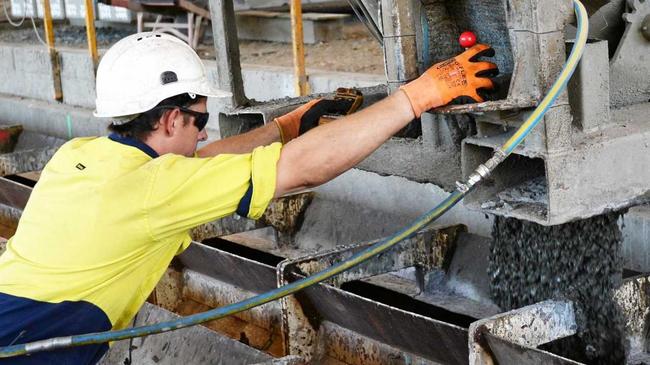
(105, 220)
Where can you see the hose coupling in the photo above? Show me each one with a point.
(482, 171)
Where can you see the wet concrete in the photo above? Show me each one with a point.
(580, 261)
(532, 194)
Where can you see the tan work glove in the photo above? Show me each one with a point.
(455, 77)
(306, 117)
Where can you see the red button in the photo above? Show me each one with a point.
(467, 39)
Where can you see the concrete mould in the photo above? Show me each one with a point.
(412, 304)
(569, 158)
(590, 174)
(312, 325)
(583, 160)
(371, 316)
(513, 337)
(194, 345)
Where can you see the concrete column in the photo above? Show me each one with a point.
(226, 45)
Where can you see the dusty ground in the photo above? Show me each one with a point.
(357, 52)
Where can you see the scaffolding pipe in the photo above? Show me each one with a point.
(90, 34)
(421, 222)
(301, 85)
(54, 56)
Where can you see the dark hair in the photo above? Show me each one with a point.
(141, 126)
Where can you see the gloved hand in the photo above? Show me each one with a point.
(455, 77)
(306, 117)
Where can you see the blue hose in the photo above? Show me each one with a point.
(377, 248)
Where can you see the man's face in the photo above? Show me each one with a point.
(187, 136)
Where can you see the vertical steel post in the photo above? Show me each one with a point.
(300, 81)
(90, 33)
(226, 46)
(54, 57)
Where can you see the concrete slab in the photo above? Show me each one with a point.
(264, 83)
(53, 119)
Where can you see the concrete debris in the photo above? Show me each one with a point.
(579, 261)
(532, 193)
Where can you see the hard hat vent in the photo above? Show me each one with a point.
(168, 77)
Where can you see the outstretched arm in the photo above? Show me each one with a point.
(325, 152)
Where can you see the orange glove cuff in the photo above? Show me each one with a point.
(421, 101)
(289, 124)
(288, 129)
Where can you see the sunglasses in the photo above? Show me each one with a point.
(200, 119)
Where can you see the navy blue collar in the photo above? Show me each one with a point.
(134, 143)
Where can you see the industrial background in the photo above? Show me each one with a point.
(547, 261)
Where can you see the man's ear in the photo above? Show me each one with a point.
(169, 122)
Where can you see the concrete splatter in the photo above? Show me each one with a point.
(580, 261)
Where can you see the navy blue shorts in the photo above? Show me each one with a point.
(25, 320)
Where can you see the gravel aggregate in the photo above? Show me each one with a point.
(580, 261)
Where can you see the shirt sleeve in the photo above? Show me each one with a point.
(187, 192)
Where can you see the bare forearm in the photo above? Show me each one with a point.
(243, 143)
(325, 152)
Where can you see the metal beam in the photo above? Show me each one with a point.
(523, 330)
(430, 248)
(300, 313)
(409, 332)
(247, 274)
(506, 352)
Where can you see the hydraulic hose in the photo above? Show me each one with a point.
(463, 188)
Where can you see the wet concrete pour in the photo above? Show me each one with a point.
(580, 261)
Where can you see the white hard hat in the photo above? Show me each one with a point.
(143, 69)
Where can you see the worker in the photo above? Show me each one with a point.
(108, 214)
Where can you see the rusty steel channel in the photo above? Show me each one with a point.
(506, 352)
(14, 194)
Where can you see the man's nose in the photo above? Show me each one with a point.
(203, 135)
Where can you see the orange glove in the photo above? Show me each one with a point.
(306, 117)
(447, 80)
